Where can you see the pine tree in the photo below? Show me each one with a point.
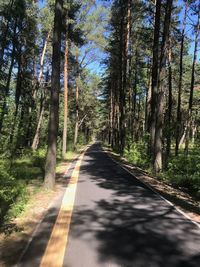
(50, 167)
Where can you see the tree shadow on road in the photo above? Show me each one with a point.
(134, 226)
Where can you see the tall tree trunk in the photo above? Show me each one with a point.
(64, 141)
(128, 25)
(111, 117)
(77, 106)
(180, 83)
(36, 87)
(154, 88)
(37, 134)
(77, 116)
(148, 98)
(4, 37)
(50, 168)
(7, 89)
(135, 79)
(130, 104)
(42, 110)
(149, 93)
(17, 95)
(9, 74)
(122, 70)
(169, 101)
(159, 96)
(189, 119)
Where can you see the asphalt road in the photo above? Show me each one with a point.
(118, 221)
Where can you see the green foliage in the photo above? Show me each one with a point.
(184, 171)
(38, 159)
(19, 205)
(137, 153)
(15, 175)
(11, 190)
(82, 139)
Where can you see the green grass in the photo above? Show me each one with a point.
(17, 173)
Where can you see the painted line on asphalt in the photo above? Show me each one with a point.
(55, 250)
(153, 190)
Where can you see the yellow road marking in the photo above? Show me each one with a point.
(55, 250)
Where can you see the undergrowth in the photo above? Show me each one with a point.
(182, 170)
(16, 174)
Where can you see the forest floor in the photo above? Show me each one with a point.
(15, 236)
(14, 239)
(180, 198)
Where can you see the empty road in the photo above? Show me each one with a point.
(104, 216)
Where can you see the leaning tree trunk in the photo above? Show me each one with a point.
(41, 64)
(50, 168)
(42, 110)
(64, 141)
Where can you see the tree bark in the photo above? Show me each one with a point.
(154, 88)
(159, 96)
(180, 83)
(135, 79)
(130, 88)
(111, 117)
(149, 93)
(42, 110)
(64, 141)
(17, 94)
(189, 119)
(7, 89)
(50, 168)
(77, 118)
(77, 107)
(122, 70)
(4, 38)
(42, 64)
(168, 148)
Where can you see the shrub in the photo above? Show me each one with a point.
(185, 171)
(137, 154)
(38, 159)
(10, 189)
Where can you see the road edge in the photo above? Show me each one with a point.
(49, 206)
(154, 190)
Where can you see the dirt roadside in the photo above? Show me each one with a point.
(180, 199)
(22, 228)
